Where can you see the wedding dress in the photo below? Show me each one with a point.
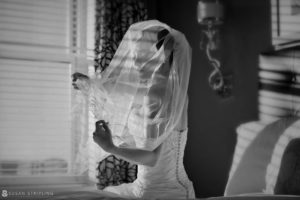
(143, 97)
(167, 179)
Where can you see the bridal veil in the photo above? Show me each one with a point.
(148, 75)
(143, 93)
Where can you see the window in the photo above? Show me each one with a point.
(42, 43)
(285, 21)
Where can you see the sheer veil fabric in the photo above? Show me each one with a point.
(140, 80)
(143, 97)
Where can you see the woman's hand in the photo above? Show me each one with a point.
(80, 81)
(102, 136)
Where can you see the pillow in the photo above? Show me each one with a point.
(288, 181)
(248, 177)
(245, 135)
(274, 166)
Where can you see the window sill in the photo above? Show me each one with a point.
(63, 187)
(44, 181)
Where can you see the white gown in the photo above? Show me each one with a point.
(168, 178)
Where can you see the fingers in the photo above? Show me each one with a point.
(102, 135)
(104, 125)
(96, 138)
(75, 86)
(76, 76)
(99, 124)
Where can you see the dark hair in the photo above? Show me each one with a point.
(161, 34)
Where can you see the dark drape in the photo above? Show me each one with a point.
(115, 171)
(113, 18)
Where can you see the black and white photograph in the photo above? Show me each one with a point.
(149, 99)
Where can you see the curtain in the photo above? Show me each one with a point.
(115, 171)
(113, 18)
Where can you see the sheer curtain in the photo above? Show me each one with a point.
(41, 43)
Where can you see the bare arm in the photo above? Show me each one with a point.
(138, 156)
(102, 136)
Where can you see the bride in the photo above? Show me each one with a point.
(141, 103)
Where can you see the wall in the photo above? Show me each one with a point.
(212, 120)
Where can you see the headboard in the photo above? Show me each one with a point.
(279, 84)
(261, 144)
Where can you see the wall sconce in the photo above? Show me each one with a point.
(210, 15)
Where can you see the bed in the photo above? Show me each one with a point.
(266, 161)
